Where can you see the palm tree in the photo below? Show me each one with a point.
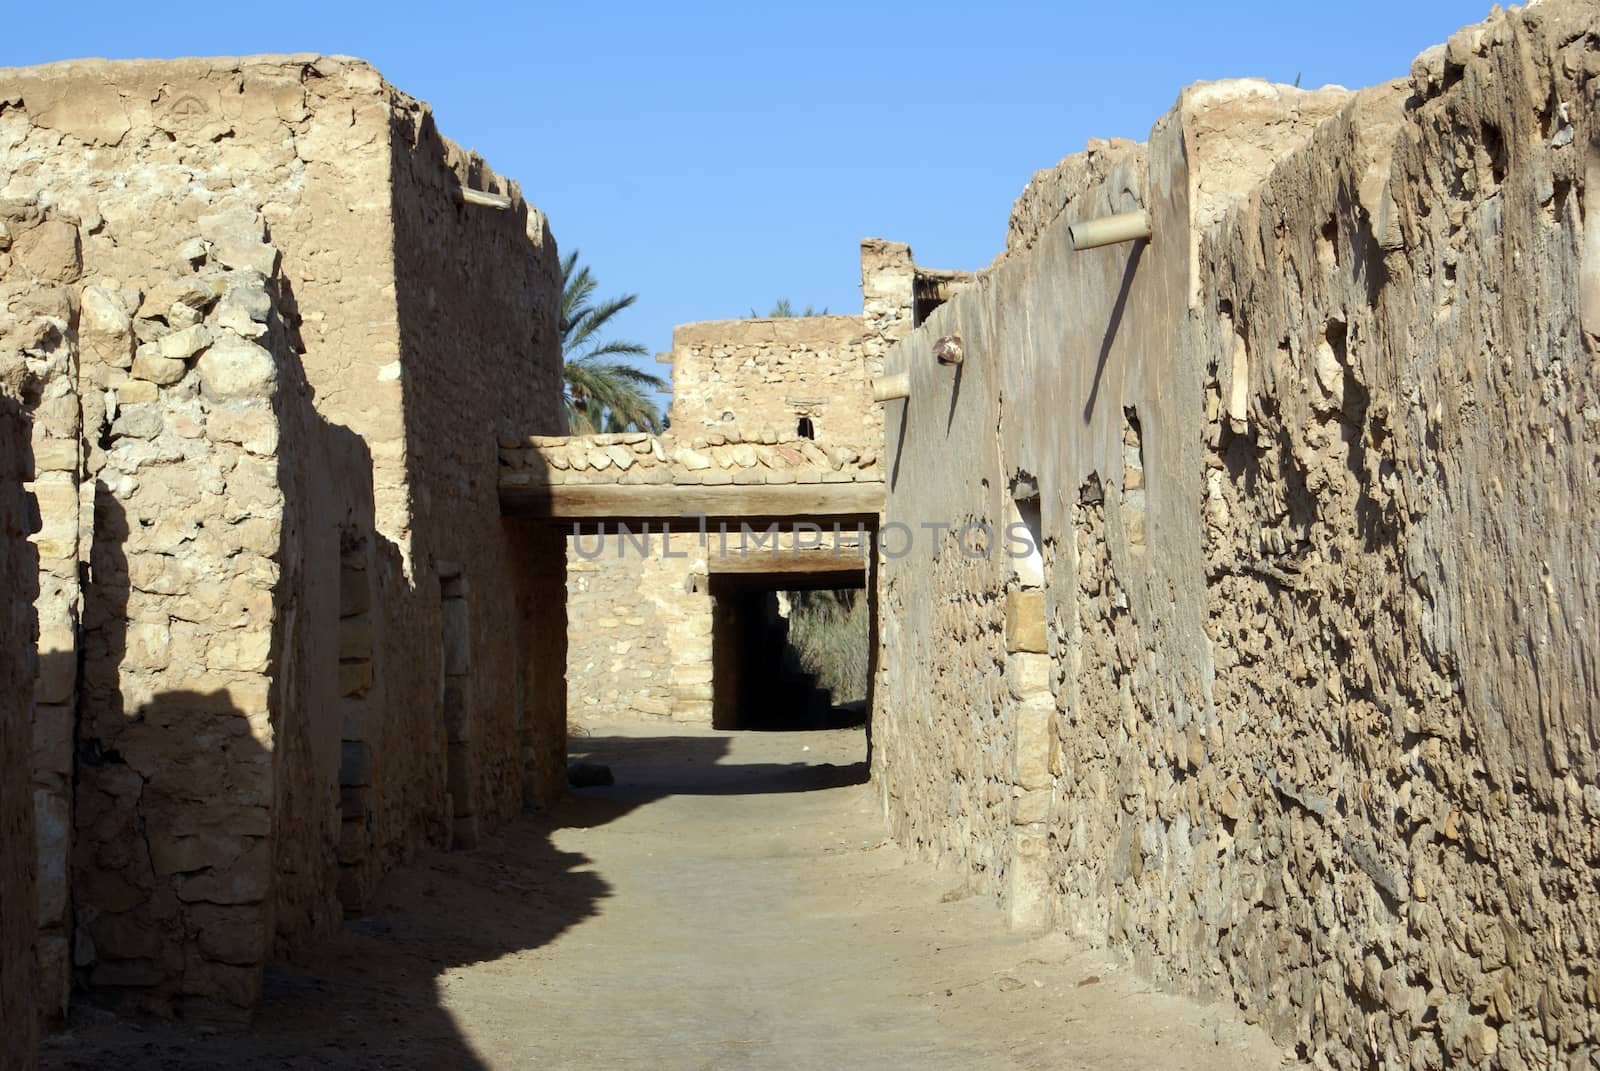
(782, 308)
(602, 393)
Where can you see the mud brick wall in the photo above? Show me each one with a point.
(1302, 715)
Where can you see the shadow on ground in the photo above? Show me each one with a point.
(374, 995)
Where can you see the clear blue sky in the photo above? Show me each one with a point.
(716, 156)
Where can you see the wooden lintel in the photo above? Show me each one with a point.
(645, 501)
(822, 560)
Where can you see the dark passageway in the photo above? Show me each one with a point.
(787, 659)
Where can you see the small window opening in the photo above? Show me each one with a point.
(804, 429)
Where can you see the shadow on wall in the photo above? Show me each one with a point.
(172, 864)
(19, 572)
(184, 873)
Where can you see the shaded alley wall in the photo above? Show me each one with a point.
(1303, 713)
(18, 666)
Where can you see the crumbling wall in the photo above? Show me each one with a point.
(1317, 492)
(18, 667)
(794, 378)
(1067, 190)
(1402, 512)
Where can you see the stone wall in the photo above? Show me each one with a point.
(474, 289)
(640, 641)
(39, 359)
(273, 350)
(1301, 715)
(758, 379)
(18, 638)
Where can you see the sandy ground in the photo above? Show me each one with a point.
(730, 903)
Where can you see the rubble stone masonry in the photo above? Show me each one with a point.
(267, 352)
(1303, 714)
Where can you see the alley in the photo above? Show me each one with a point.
(731, 902)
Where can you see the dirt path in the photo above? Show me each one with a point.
(729, 904)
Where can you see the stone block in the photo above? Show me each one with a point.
(1029, 807)
(230, 934)
(254, 427)
(173, 853)
(185, 344)
(230, 986)
(1034, 743)
(237, 368)
(124, 937)
(355, 678)
(1025, 623)
(150, 366)
(355, 638)
(55, 455)
(58, 667)
(137, 392)
(245, 881)
(355, 763)
(457, 710)
(355, 595)
(459, 776)
(246, 254)
(690, 459)
(653, 704)
(456, 627)
(1028, 676)
(49, 251)
(52, 739)
(130, 974)
(52, 827)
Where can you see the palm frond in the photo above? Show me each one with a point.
(601, 393)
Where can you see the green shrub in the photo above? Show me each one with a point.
(831, 631)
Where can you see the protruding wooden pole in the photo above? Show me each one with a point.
(1109, 230)
(885, 388)
(487, 200)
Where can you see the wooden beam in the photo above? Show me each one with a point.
(647, 501)
(846, 560)
(485, 199)
(888, 388)
(725, 583)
